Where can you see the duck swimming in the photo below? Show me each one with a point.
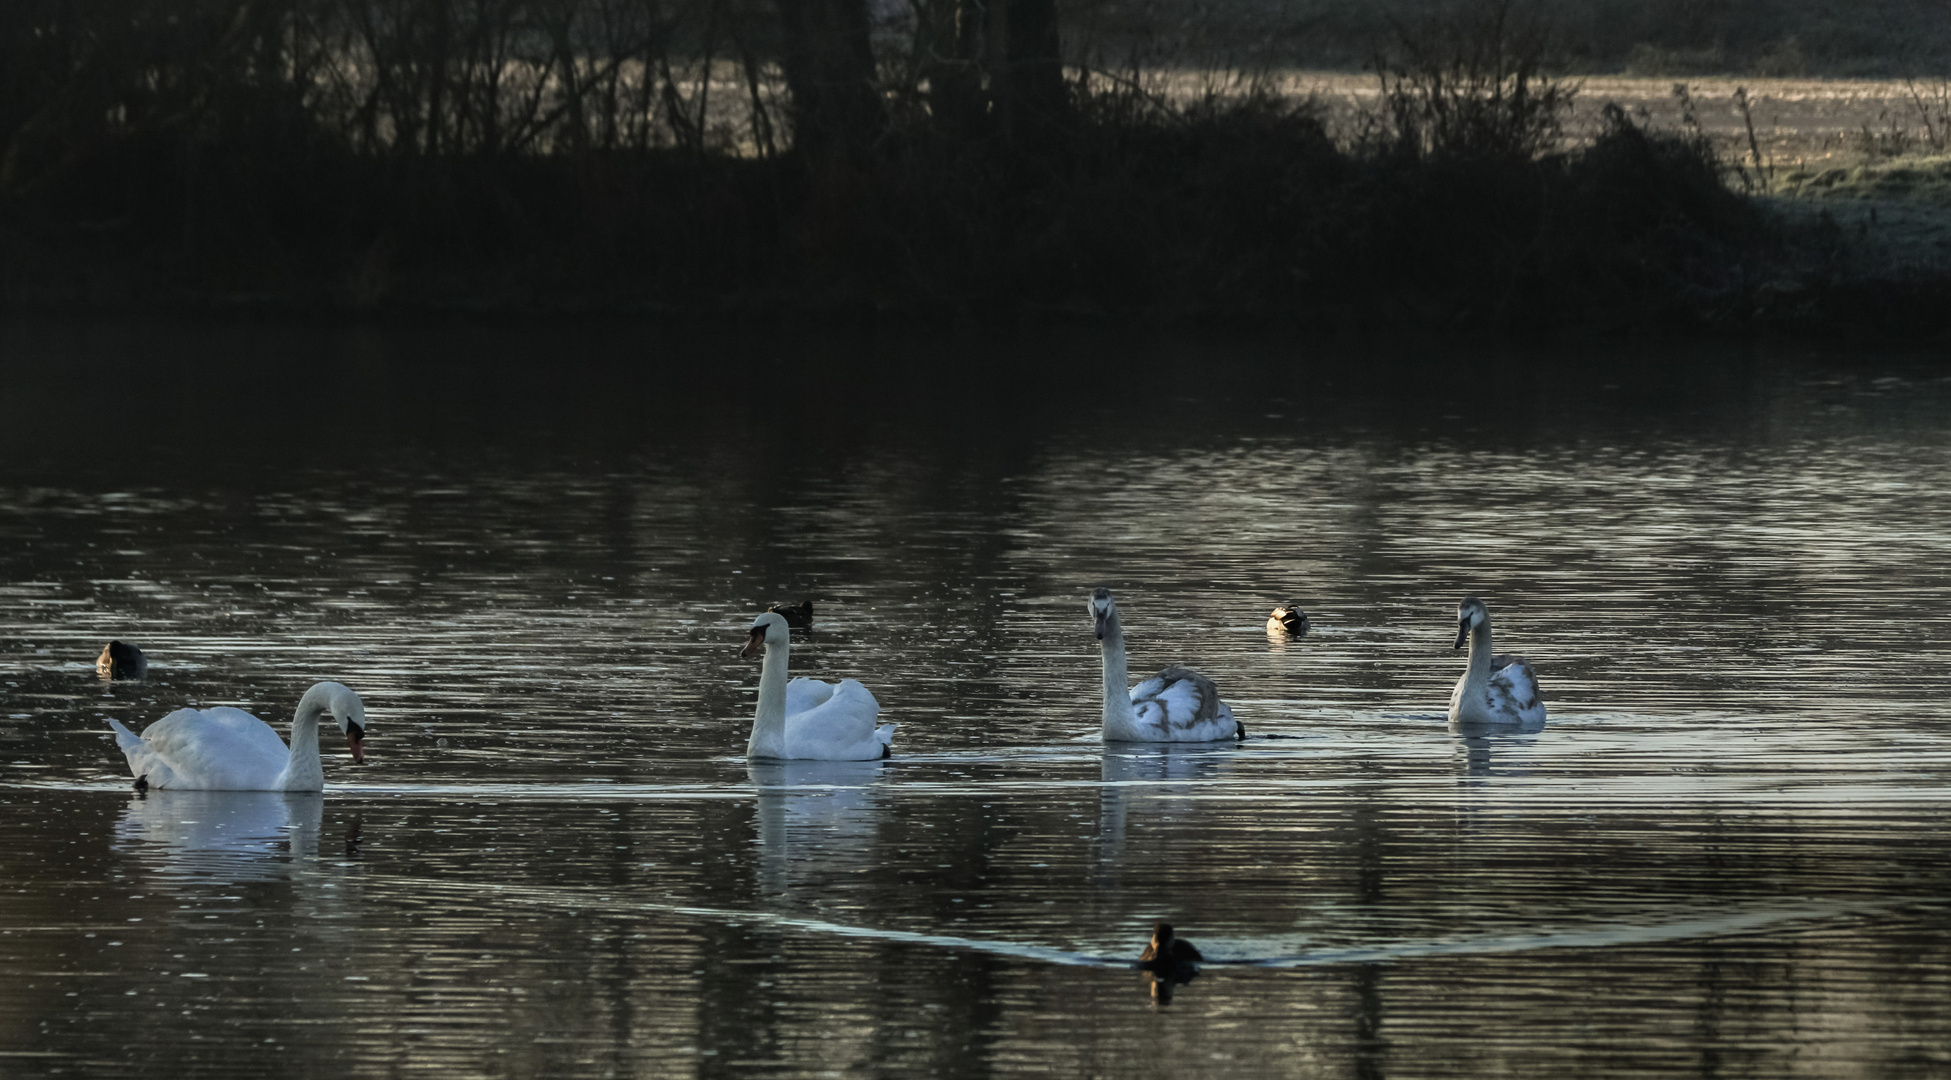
(1288, 619)
(120, 660)
(1168, 948)
(798, 616)
(1171, 962)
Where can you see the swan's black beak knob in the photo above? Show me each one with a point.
(355, 739)
(1462, 635)
(754, 644)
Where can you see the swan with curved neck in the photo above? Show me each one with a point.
(1495, 691)
(226, 749)
(1176, 705)
(806, 719)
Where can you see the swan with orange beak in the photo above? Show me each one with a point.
(806, 719)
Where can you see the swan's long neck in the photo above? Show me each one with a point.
(1117, 676)
(305, 771)
(769, 722)
(1478, 672)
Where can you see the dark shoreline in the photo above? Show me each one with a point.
(1273, 227)
(1896, 312)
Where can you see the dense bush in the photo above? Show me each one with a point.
(223, 163)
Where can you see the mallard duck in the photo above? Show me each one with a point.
(1289, 619)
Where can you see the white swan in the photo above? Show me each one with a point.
(1494, 690)
(806, 719)
(227, 749)
(1176, 705)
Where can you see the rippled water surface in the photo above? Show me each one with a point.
(534, 552)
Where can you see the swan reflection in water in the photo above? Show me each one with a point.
(1485, 765)
(816, 819)
(228, 835)
(1485, 753)
(1138, 776)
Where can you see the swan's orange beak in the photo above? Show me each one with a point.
(356, 739)
(754, 644)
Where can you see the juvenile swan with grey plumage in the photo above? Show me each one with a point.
(1499, 691)
(1176, 705)
(226, 749)
(806, 719)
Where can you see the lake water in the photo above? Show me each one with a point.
(534, 551)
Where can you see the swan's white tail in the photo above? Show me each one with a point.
(885, 733)
(124, 738)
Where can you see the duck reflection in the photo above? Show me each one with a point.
(229, 835)
(816, 819)
(1137, 775)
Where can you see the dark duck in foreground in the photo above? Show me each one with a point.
(1171, 961)
(1168, 949)
(1495, 691)
(1175, 705)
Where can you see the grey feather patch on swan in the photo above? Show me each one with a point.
(1208, 709)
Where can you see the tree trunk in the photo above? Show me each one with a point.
(1035, 98)
(829, 68)
(953, 70)
(1026, 70)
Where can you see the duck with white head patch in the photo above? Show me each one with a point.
(806, 719)
(1175, 705)
(1495, 691)
(226, 749)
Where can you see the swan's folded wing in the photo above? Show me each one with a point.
(235, 729)
(1181, 705)
(805, 694)
(839, 729)
(216, 749)
(1514, 687)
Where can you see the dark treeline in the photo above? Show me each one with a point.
(712, 156)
